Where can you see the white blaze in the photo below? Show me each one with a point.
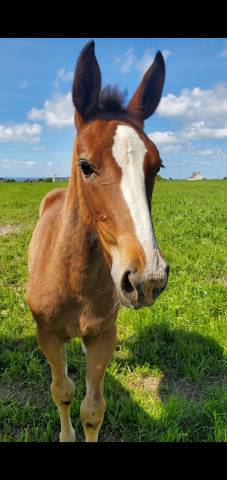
(129, 151)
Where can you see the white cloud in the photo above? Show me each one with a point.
(196, 105)
(166, 53)
(129, 60)
(203, 114)
(171, 148)
(63, 76)
(145, 62)
(57, 112)
(208, 152)
(203, 163)
(199, 131)
(10, 163)
(164, 138)
(192, 131)
(126, 61)
(223, 53)
(21, 132)
(49, 164)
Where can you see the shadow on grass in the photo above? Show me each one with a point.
(180, 355)
(187, 396)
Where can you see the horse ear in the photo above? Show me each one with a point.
(87, 82)
(147, 96)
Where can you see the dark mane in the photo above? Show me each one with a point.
(112, 105)
(112, 100)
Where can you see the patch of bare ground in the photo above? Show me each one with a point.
(191, 391)
(7, 229)
(20, 392)
(162, 386)
(21, 289)
(222, 280)
(149, 383)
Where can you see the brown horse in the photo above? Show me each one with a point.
(94, 247)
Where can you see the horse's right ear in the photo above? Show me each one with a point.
(87, 82)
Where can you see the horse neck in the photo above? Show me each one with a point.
(79, 236)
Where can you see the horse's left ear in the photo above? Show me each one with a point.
(147, 96)
(87, 82)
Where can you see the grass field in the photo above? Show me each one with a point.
(167, 380)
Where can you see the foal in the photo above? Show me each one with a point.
(94, 248)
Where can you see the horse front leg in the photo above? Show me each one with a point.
(62, 388)
(98, 353)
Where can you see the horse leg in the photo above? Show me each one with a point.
(62, 388)
(98, 353)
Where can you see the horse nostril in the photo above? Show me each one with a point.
(140, 292)
(125, 283)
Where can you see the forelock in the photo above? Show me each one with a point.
(112, 100)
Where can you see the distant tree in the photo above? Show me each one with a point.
(159, 178)
(47, 179)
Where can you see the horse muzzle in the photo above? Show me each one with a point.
(137, 292)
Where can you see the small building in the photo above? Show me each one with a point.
(196, 176)
(59, 179)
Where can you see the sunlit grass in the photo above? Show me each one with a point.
(167, 379)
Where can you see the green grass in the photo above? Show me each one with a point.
(167, 379)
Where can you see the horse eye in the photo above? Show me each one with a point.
(86, 168)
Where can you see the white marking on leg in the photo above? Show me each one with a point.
(84, 350)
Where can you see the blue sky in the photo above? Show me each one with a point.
(189, 127)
